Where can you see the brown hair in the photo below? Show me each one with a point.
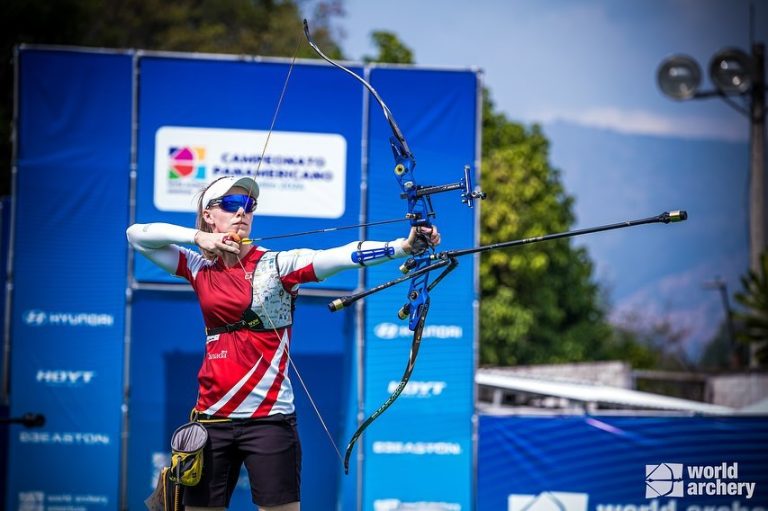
(200, 223)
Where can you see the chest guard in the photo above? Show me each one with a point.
(271, 305)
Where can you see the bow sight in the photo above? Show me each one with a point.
(468, 194)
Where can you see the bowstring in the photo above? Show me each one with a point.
(296, 370)
(250, 280)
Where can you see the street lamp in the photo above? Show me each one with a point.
(733, 73)
(720, 285)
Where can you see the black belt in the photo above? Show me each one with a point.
(204, 417)
(230, 327)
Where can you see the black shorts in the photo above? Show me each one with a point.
(271, 451)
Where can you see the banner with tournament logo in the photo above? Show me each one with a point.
(300, 174)
(308, 168)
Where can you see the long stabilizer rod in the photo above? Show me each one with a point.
(448, 257)
(664, 218)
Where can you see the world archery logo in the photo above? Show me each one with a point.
(186, 162)
(664, 480)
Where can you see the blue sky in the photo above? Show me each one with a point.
(586, 71)
(588, 61)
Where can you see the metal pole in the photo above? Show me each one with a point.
(734, 358)
(757, 159)
(757, 171)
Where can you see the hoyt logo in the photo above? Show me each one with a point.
(61, 377)
(419, 388)
(678, 480)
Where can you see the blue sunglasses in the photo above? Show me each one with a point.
(231, 203)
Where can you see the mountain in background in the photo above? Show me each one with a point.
(657, 272)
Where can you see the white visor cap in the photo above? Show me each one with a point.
(222, 186)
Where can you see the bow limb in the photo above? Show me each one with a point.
(415, 344)
(385, 109)
(419, 213)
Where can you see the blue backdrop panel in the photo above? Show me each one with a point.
(434, 449)
(67, 312)
(599, 463)
(164, 367)
(437, 112)
(244, 95)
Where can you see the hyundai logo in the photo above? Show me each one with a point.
(35, 317)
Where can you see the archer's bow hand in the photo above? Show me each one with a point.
(420, 239)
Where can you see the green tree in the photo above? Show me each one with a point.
(651, 343)
(258, 27)
(390, 49)
(753, 319)
(720, 354)
(539, 303)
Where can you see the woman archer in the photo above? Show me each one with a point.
(247, 295)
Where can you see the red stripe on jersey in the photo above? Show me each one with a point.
(224, 293)
(246, 389)
(269, 400)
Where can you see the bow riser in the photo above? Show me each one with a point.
(420, 215)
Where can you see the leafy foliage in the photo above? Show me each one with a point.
(539, 303)
(258, 27)
(261, 27)
(754, 319)
(391, 49)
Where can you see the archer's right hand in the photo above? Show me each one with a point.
(218, 243)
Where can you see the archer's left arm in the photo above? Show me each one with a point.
(302, 265)
(305, 265)
(356, 255)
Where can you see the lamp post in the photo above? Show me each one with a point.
(733, 73)
(722, 287)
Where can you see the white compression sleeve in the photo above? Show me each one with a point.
(156, 242)
(333, 260)
(159, 235)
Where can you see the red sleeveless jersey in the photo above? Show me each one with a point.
(245, 372)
